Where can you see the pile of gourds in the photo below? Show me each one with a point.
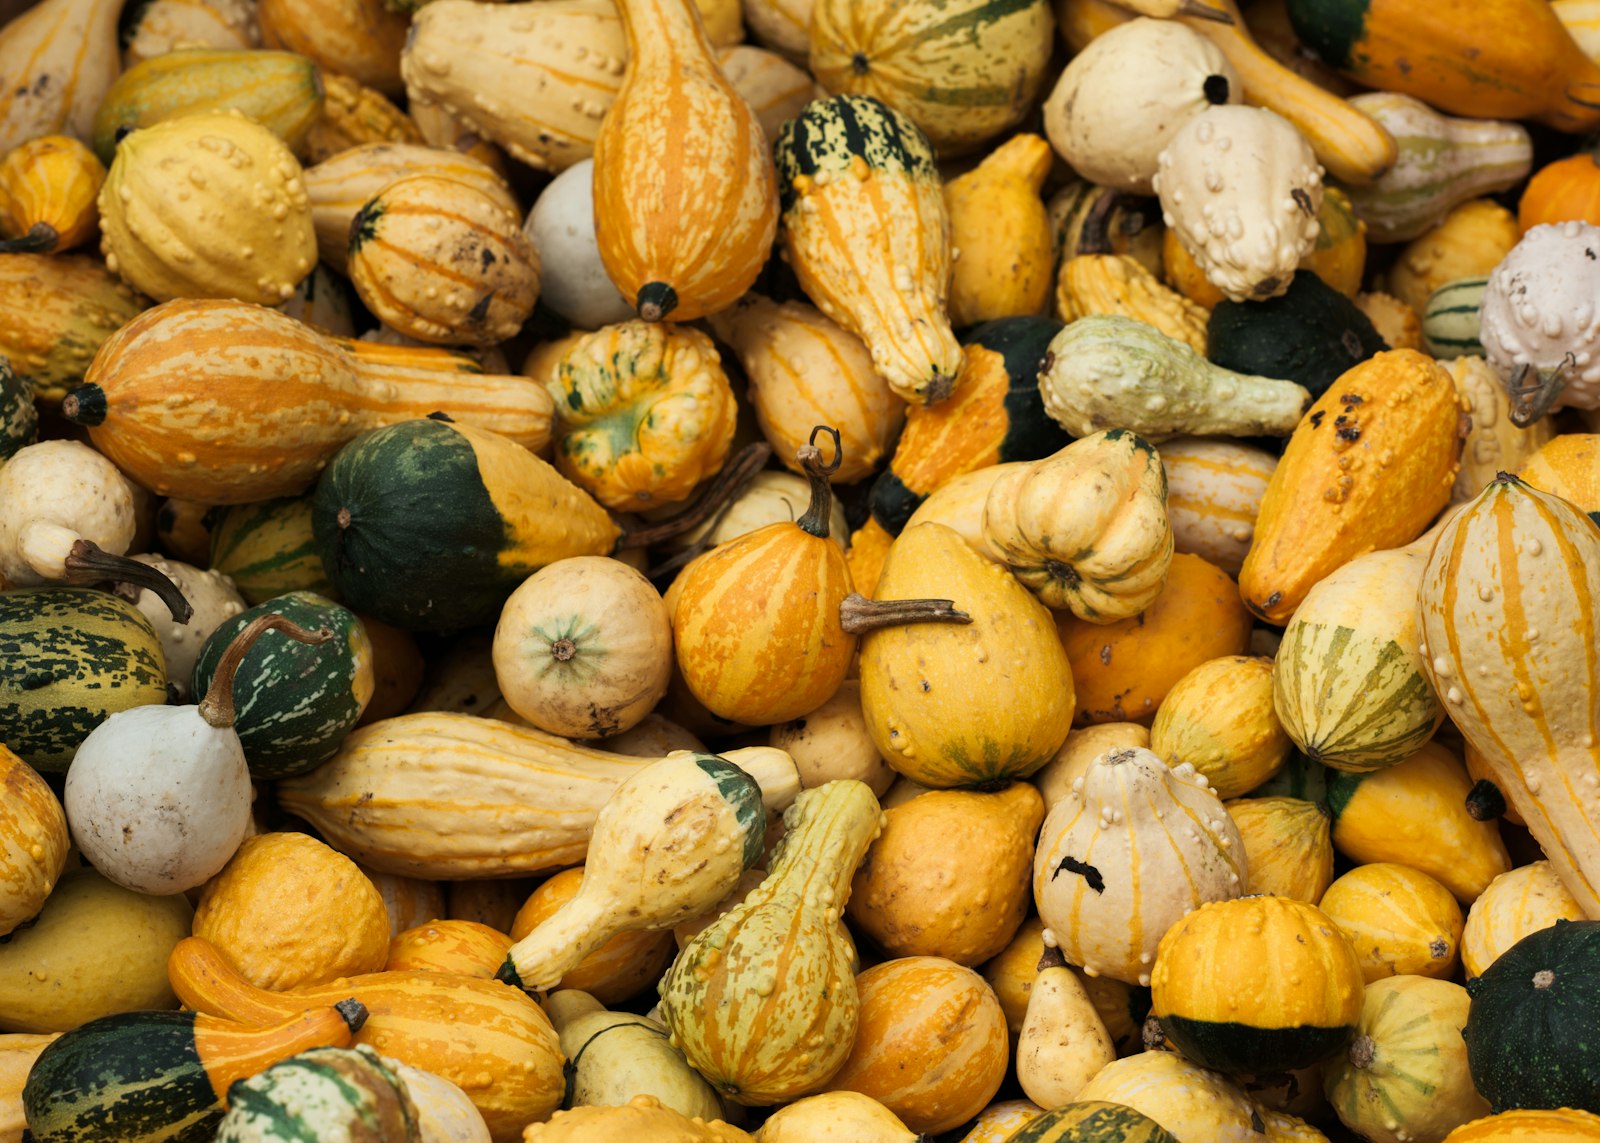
(965, 569)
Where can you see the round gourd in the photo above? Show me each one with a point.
(465, 948)
(1257, 984)
(561, 228)
(1219, 719)
(213, 599)
(1092, 1121)
(1398, 920)
(1565, 190)
(771, 497)
(1517, 903)
(1563, 1125)
(1186, 1099)
(1567, 466)
(328, 1094)
(1530, 1030)
(48, 187)
(618, 970)
(583, 648)
(267, 549)
(833, 741)
(1000, 1119)
(1287, 845)
(442, 261)
(836, 1114)
(33, 842)
(445, 1113)
(1082, 747)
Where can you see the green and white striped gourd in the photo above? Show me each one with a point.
(1450, 321)
(331, 1095)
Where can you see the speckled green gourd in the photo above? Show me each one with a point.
(19, 418)
(348, 1095)
(268, 549)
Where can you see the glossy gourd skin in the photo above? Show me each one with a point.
(684, 188)
(1219, 719)
(1400, 921)
(33, 842)
(1515, 904)
(48, 190)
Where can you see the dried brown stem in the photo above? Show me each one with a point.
(727, 486)
(217, 707)
(87, 563)
(858, 614)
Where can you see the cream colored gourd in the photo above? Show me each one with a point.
(1518, 902)
(573, 280)
(763, 1001)
(632, 1057)
(1109, 882)
(1082, 747)
(1242, 188)
(445, 1113)
(1214, 489)
(834, 741)
(583, 648)
(774, 88)
(836, 1117)
(667, 846)
(59, 57)
(212, 596)
(1063, 1042)
(158, 797)
(771, 497)
(1086, 529)
(1196, 1105)
(1112, 113)
(67, 515)
(1495, 443)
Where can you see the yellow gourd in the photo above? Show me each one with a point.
(1219, 718)
(1467, 244)
(1287, 845)
(1400, 921)
(1120, 284)
(1518, 902)
(48, 188)
(1000, 234)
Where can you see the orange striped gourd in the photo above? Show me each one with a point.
(58, 58)
(229, 403)
(48, 188)
(464, 948)
(684, 189)
(1518, 902)
(33, 842)
(1508, 623)
(1214, 489)
(1400, 921)
(358, 38)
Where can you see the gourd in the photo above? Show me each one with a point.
(1442, 162)
(443, 262)
(1512, 60)
(1565, 466)
(327, 1093)
(963, 74)
(782, 25)
(1108, 371)
(1516, 903)
(213, 599)
(48, 188)
(1214, 489)
(68, 516)
(667, 846)
(1086, 218)
(162, 25)
(1264, 187)
(1563, 1125)
(1560, 191)
(1348, 680)
(867, 234)
(59, 57)
(100, 656)
(267, 549)
(1219, 719)
(771, 497)
(572, 279)
(646, 413)
(1405, 1074)
(1119, 284)
(1224, 1008)
(158, 797)
(993, 416)
(765, 625)
(491, 1040)
(1537, 322)
(583, 648)
(1450, 319)
(1109, 884)
(682, 178)
(1087, 1120)
(1396, 322)
(177, 382)
(1521, 1045)
(1082, 747)
(1086, 529)
(1310, 334)
(614, 1056)
(1369, 465)
(465, 948)
(445, 1113)
(303, 700)
(642, 1117)
(33, 843)
(833, 742)
(1110, 119)
(353, 114)
(775, 89)
(803, 370)
(1189, 1101)
(763, 1001)
(1063, 1041)
(282, 91)
(1534, 747)
(1470, 240)
(1340, 256)
(356, 38)
(1399, 920)
(837, 1115)
(1002, 232)
(1287, 843)
(19, 416)
(163, 1076)
(17, 1053)
(1008, 662)
(55, 310)
(465, 797)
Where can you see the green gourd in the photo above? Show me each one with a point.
(1309, 335)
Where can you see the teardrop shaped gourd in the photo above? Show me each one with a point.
(1507, 618)
(48, 188)
(158, 797)
(1001, 227)
(1063, 1041)
(632, 1057)
(667, 846)
(1109, 880)
(1086, 529)
(763, 1001)
(55, 311)
(58, 57)
(866, 230)
(684, 189)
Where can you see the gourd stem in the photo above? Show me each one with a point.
(1051, 958)
(1094, 236)
(1363, 1050)
(817, 513)
(727, 486)
(858, 614)
(40, 239)
(1202, 11)
(354, 1013)
(217, 707)
(87, 562)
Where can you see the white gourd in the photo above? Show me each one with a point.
(561, 228)
(1540, 320)
(1063, 1042)
(214, 599)
(445, 1113)
(1122, 99)
(158, 797)
(1242, 188)
(1132, 847)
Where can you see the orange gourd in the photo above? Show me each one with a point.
(1565, 190)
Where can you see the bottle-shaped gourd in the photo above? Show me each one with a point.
(667, 846)
(762, 1002)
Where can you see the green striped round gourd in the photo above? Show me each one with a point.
(1450, 321)
(19, 418)
(295, 702)
(332, 1095)
(72, 658)
(1092, 1121)
(268, 549)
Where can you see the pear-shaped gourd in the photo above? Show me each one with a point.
(763, 1001)
(158, 797)
(668, 844)
(1063, 1041)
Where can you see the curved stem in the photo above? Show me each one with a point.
(817, 513)
(728, 484)
(1531, 400)
(87, 562)
(858, 614)
(1202, 11)
(40, 239)
(1094, 236)
(217, 707)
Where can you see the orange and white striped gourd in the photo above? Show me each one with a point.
(1214, 489)
(48, 188)
(33, 842)
(1518, 902)
(1507, 612)
(58, 58)
(684, 188)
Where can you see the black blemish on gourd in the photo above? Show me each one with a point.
(1351, 433)
(1303, 201)
(1091, 876)
(1316, 418)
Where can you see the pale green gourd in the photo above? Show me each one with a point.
(614, 1056)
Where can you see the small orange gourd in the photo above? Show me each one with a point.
(684, 186)
(48, 188)
(1565, 190)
